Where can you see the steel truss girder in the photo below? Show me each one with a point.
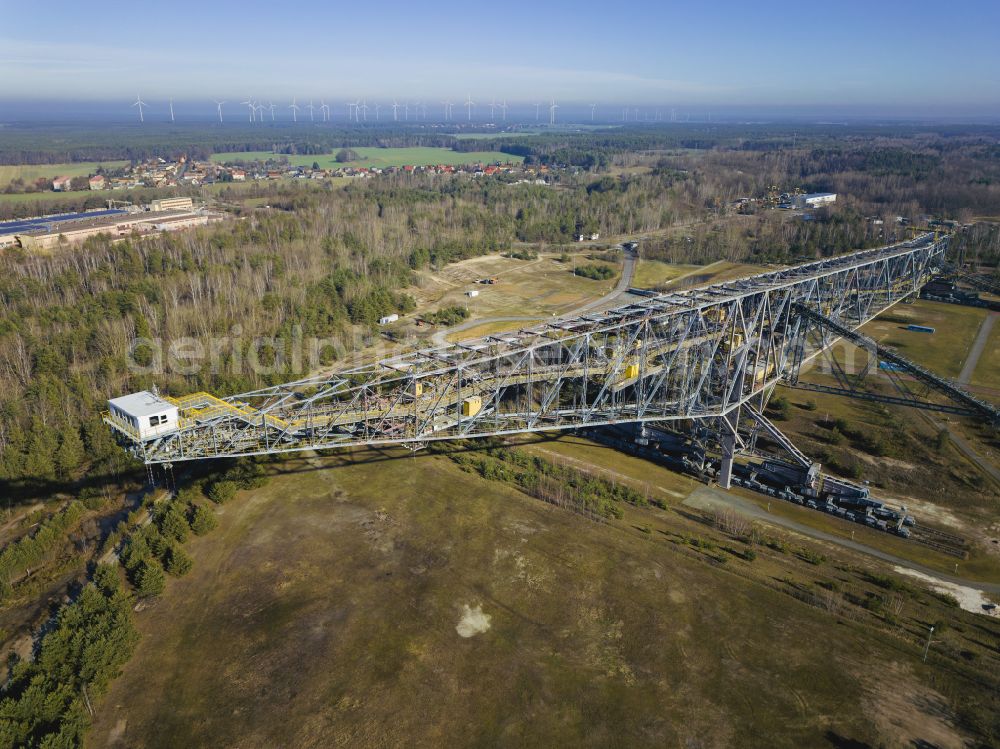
(697, 354)
(970, 404)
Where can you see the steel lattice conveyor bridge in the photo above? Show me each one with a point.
(697, 354)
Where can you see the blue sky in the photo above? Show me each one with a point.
(853, 56)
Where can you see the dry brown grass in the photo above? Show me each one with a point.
(323, 612)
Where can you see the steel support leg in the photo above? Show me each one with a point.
(728, 452)
(730, 424)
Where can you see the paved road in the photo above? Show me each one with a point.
(628, 271)
(710, 498)
(977, 348)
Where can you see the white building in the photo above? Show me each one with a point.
(816, 199)
(171, 204)
(472, 293)
(144, 414)
(388, 319)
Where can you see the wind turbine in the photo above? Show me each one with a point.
(493, 106)
(503, 110)
(325, 110)
(270, 106)
(593, 108)
(249, 103)
(469, 103)
(140, 103)
(552, 112)
(295, 110)
(171, 110)
(260, 111)
(406, 110)
(537, 105)
(377, 108)
(218, 105)
(447, 110)
(309, 106)
(364, 109)
(395, 110)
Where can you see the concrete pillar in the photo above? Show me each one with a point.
(728, 451)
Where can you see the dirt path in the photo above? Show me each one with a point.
(710, 498)
(17, 517)
(977, 348)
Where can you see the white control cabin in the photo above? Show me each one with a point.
(145, 414)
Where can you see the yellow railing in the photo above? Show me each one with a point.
(201, 406)
(120, 424)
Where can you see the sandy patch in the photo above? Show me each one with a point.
(520, 568)
(969, 599)
(473, 621)
(906, 713)
(886, 461)
(922, 508)
(117, 734)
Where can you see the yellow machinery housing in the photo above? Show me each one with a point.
(472, 406)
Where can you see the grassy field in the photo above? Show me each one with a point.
(987, 371)
(651, 274)
(650, 478)
(50, 200)
(489, 328)
(381, 157)
(378, 599)
(945, 349)
(716, 272)
(527, 288)
(939, 485)
(655, 274)
(671, 487)
(29, 173)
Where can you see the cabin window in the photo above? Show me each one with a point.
(157, 420)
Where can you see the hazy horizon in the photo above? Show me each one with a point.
(157, 111)
(853, 60)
